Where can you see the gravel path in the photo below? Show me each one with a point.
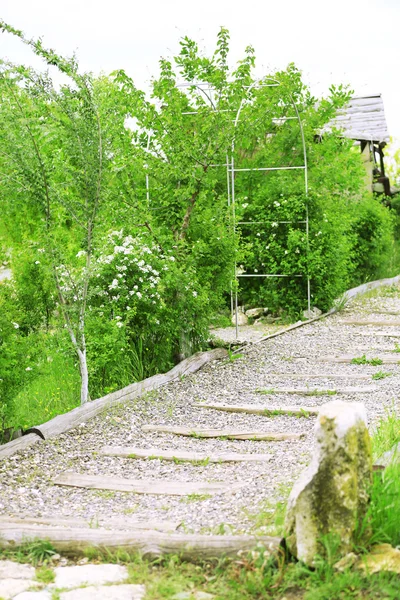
(26, 478)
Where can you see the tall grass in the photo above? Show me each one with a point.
(55, 391)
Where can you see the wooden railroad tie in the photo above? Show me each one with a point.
(260, 409)
(142, 486)
(317, 376)
(350, 359)
(154, 544)
(230, 434)
(182, 456)
(368, 322)
(318, 392)
(126, 524)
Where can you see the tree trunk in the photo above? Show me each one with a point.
(84, 376)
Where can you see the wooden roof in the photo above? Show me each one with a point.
(362, 119)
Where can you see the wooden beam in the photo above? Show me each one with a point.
(21, 443)
(317, 376)
(266, 411)
(150, 544)
(180, 455)
(346, 358)
(368, 323)
(319, 392)
(125, 524)
(142, 486)
(81, 414)
(230, 434)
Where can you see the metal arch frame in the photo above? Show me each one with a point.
(231, 193)
(230, 174)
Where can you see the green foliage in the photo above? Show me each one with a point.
(384, 511)
(117, 218)
(380, 375)
(363, 360)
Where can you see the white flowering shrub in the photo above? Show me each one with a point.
(142, 304)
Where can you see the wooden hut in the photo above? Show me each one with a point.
(363, 120)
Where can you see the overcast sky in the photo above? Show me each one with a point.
(331, 41)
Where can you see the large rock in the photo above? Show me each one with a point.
(256, 313)
(242, 318)
(332, 494)
(382, 557)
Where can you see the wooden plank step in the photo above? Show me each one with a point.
(151, 544)
(142, 486)
(316, 376)
(368, 322)
(377, 333)
(179, 455)
(259, 409)
(230, 434)
(348, 358)
(95, 522)
(319, 392)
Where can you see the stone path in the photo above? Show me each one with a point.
(85, 582)
(300, 365)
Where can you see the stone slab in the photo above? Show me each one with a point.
(42, 595)
(13, 570)
(71, 577)
(9, 588)
(109, 592)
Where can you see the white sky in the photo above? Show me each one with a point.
(331, 41)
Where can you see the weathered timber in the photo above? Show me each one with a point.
(259, 409)
(392, 334)
(229, 434)
(348, 358)
(18, 444)
(368, 323)
(125, 524)
(81, 414)
(317, 376)
(319, 392)
(75, 541)
(179, 455)
(393, 313)
(141, 486)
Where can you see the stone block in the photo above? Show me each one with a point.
(331, 496)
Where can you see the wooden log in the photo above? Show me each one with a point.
(348, 358)
(259, 409)
(229, 434)
(113, 523)
(21, 443)
(317, 376)
(368, 323)
(81, 414)
(319, 392)
(179, 455)
(391, 334)
(151, 544)
(142, 486)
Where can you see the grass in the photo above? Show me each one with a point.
(248, 577)
(386, 434)
(45, 575)
(363, 360)
(55, 391)
(195, 498)
(380, 375)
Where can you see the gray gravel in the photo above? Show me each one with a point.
(26, 478)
